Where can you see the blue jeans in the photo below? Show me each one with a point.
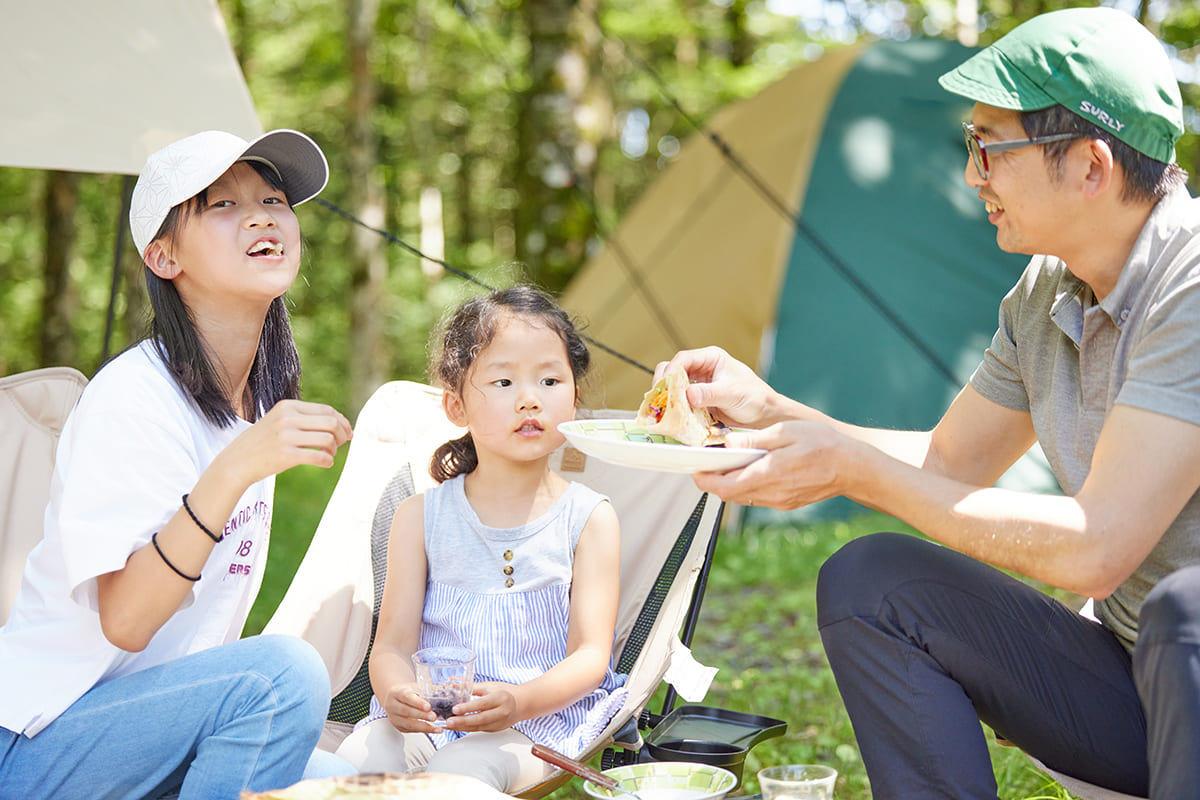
(925, 642)
(245, 715)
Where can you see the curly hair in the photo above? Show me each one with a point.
(471, 328)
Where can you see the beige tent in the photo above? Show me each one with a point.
(700, 258)
(97, 86)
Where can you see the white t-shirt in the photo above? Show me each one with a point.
(130, 449)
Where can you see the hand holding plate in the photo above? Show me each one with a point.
(802, 466)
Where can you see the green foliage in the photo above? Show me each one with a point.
(758, 626)
(452, 82)
(22, 247)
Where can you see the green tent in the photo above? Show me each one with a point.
(832, 243)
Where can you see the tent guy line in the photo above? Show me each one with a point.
(460, 273)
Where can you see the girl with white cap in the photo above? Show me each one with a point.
(122, 674)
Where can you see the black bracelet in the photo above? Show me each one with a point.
(200, 524)
(167, 561)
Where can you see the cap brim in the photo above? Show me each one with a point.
(296, 158)
(988, 77)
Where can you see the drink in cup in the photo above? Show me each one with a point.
(445, 677)
(797, 782)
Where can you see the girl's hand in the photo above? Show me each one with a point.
(293, 432)
(408, 711)
(494, 708)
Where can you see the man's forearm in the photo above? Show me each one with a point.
(909, 447)
(1045, 537)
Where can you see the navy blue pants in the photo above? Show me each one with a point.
(925, 643)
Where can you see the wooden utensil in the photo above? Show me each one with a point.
(582, 770)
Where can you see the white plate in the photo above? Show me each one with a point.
(619, 441)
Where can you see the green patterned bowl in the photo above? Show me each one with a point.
(667, 780)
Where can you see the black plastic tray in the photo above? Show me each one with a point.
(693, 723)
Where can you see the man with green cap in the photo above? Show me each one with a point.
(1097, 359)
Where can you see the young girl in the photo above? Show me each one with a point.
(121, 671)
(504, 557)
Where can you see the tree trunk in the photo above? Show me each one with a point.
(433, 233)
(240, 33)
(424, 115)
(741, 43)
(368, 356)
(464, 180)
(593, 123)
(544, 167)
(136, 316)
(687, 42)
(59, 298)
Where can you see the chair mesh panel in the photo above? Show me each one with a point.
(658, 593)
(352, 703)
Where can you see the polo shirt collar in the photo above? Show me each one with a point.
(1068, 308)
(1147, 250)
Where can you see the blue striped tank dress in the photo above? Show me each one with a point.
(505, 593)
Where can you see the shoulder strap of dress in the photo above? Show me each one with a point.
(582, 501)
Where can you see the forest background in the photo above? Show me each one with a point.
(504, 138)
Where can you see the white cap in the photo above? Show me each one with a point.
(183, 169)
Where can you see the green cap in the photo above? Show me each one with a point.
(1097, 62)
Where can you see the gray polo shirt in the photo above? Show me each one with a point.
(1067, 360)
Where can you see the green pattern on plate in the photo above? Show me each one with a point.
(622, 430)
(702, 778)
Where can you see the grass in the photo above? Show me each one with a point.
(757, 625)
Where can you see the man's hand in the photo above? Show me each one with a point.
(724, 385)
(801, 466)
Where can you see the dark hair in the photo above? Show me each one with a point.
(275, 374)
(467, 332)
(1146, 180)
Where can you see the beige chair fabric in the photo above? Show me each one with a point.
(33, 409)
(330, 600)
(1082, 789)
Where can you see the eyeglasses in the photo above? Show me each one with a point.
(979, 150)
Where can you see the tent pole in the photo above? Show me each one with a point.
(118, 250)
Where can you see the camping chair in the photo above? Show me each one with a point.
(667, 531)
(33, 409)
(1082, 789)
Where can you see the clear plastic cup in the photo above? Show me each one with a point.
(797, 782)
(445, 678)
